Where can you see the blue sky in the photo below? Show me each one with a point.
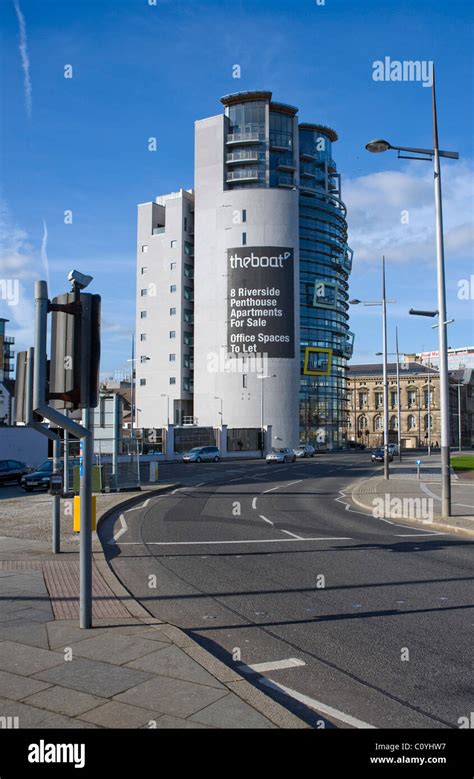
(141, 70)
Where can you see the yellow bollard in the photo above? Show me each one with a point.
(77, 513)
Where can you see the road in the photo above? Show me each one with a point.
(368, 622)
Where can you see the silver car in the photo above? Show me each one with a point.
(281, 456)
(305, 450)
(202, 454)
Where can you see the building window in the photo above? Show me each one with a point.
(244, 381)
(411, 397)
(173, 288)
(393, 399)
(362, 423)
(142, 336)
(143, 292)
(411, 422)
(172, 379)
(172, 333)
(185, 224)
(145, 248)
(244, 239)
(244, 215)
(363, 399)
(144, 269)
(428, 422)
(378, 399)
(172, 358)
(172, 312)
(188, 339)
(188, 316)
(142, 382)
(172, 266)
(426, 398)
(142, 314)
(378, 423)
(394, 422)
(174, 244)
(144, 359)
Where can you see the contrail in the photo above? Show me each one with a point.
(44, 255)
(25, 60)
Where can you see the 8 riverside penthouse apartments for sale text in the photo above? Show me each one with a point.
(249, 270)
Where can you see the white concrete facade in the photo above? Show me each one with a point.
(164, 310)
(271, 220)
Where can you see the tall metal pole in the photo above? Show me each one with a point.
(385, 377)
(85, 542)
(399, 413)
(132, 416)
(459, 420)
(56, 498)
(66, 461)
(429, 414)
(262, 434)
(443, 345)
(116, 424)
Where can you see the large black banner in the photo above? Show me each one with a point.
(260, 307)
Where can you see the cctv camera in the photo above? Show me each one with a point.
(81, 280)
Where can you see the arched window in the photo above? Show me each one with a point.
(362, 423)
(411, 422)
(394, 422)
(378, 422)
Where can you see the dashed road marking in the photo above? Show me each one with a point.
(275, 665)
(266, 520)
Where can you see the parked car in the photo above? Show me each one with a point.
(281, 456)
(40, 478)
(378, 455)
(12, 470)
(305, 450)
(355, 445)
(393, 448)
(202, 454)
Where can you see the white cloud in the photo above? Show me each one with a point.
(17, 263)
(375, 204)
(25, 60)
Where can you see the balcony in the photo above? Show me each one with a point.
(158, 230)
(286, 167)
(308, 157)
(241, 156)
(285, 181)
(242, 175)
(242, 138)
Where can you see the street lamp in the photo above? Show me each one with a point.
(434, 154)
(262, 402)
(382, 303)
(399, 419)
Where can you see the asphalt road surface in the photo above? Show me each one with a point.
(346, 619)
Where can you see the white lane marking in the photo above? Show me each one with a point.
(321, 708)
(246, 541)
(270, 490)
(291, 534)
(276, 665)
(123, 529)
(266, 520)
(137, 508)
(290, 484)
(349, 508)
(254, 503)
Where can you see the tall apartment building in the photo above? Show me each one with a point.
(272, 264)
(165, 309)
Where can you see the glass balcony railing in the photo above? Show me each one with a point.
(246, 174)
(242, 156)
(245, 137)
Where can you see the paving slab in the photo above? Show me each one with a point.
(64, 633)
(24, 631)
(171, 696)
(17, 687)
(119, 715)
(167, 722)
(63, 701)
(27, 660)
(231, 712)
(32, 717)
(114, 648)
(93, 676)
(172, 661)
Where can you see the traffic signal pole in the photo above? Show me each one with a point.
(79, 431)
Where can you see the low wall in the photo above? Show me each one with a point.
(23, 444)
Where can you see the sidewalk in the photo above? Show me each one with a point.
(129, 671)
(404, 485)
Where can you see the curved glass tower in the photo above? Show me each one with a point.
(325, 264)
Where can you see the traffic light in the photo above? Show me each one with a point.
(75, 350)
(21, 393)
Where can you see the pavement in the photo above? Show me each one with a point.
(418, 500)
(130, 670)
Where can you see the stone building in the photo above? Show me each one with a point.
(365, 414)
